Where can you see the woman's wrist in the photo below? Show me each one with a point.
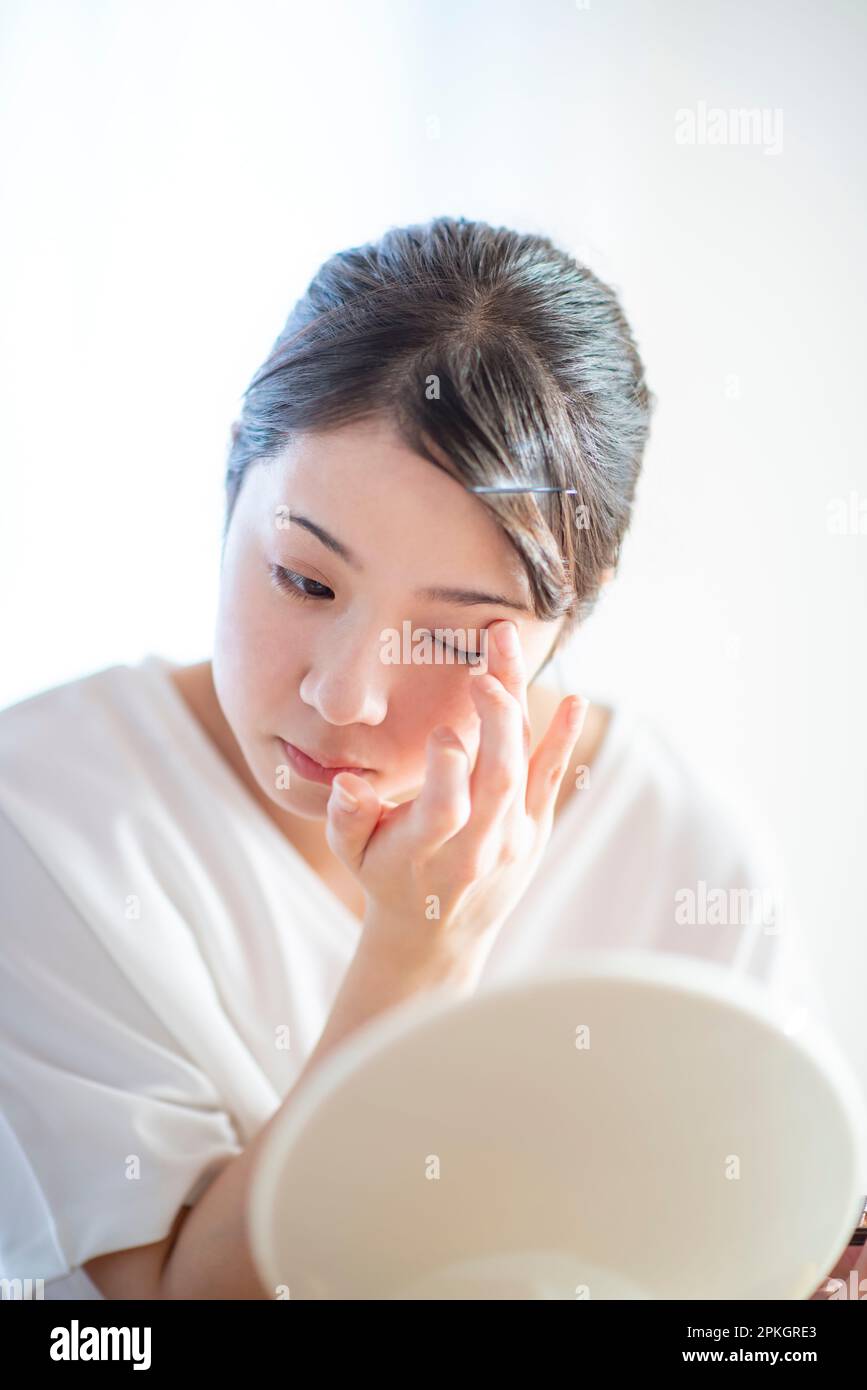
(392, 973)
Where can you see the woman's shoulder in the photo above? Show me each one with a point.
(84, 761)
(51, 737)
(666, 853)
(69, 729)
(630, 772)
(63, 701)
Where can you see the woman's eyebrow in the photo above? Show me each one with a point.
(465, 597)
(469, 597)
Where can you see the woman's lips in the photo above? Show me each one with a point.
(313, 771)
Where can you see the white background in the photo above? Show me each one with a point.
(172, 175)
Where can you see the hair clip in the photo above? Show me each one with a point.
(521, 488)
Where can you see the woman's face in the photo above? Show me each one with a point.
(365, 527)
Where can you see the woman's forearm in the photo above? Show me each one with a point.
(211, 1255)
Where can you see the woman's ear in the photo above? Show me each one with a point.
(607, 576)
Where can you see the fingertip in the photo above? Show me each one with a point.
(354, 786)
(343, 798)
(506, 638)
(486, 682)
(576, 708)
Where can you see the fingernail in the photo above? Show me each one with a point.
(507, 639)
(344, 800)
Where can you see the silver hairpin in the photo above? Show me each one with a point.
(522, 489)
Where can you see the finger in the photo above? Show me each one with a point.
(347, 828)
(443, 805)
(499, 774)
(505, 660)
(551, 758)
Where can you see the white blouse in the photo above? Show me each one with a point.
(168, 960)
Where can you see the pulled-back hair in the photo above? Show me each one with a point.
(509, 357)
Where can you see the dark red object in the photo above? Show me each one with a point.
(848, 1278)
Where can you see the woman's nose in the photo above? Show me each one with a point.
(347, 682)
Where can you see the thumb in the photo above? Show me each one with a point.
(350, 826)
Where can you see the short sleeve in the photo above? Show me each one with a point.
(107, 1127)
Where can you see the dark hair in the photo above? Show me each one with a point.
(501, 351)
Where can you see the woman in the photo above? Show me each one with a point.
(219, 871)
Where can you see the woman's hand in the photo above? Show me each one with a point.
(441, 873)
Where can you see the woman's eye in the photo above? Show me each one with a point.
(295, 584)
(299, 586)
(447, 646)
